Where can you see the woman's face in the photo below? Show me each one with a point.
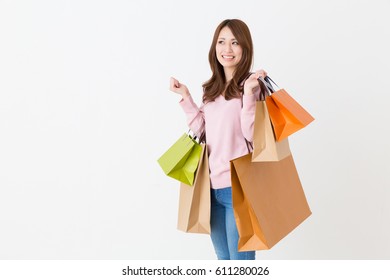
(228, 50)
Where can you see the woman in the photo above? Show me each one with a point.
(226, 117)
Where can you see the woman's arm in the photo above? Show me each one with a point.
(195, 115)
(251, 94)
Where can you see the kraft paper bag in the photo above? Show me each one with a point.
(181, 160)
(194, 201)
(268, 201)
(286, 114)
(265, 146)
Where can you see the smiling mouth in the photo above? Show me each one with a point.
(228, 56)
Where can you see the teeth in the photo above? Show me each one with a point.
(227, 56)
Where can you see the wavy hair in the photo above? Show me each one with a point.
(217, 83)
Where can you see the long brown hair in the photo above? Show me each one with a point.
(217, 83)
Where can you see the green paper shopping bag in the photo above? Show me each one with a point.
(181, 160)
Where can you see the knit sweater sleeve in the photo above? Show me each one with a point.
(248, 114)
(195, 115)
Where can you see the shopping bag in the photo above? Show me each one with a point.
(181, 160)
(268, 201)
(265, 146)
(286, 114)
(194, 201)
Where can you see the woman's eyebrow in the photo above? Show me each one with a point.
(222, 38)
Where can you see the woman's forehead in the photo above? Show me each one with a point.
(226, 33)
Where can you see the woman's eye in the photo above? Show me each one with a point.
(220, 42)
(235, 43)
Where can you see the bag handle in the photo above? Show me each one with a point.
(249, 144)
(267, 85)
(269, 80)
(199, 139)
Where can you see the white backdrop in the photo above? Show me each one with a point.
(85, 112)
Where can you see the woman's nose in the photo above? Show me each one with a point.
(228, 48)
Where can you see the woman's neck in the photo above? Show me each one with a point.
(228, 74)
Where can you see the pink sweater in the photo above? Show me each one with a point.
(226, 124)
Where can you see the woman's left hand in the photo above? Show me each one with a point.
(251, 84)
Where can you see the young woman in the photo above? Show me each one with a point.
(226, 117)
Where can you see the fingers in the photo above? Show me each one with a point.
(261, 73)
(178, 88)
(174, 84)
(253, 77)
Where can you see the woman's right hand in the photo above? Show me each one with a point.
(252, 82)
(178, 88)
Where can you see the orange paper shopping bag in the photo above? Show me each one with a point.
(286, 114)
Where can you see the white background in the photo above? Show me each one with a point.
(85, 112)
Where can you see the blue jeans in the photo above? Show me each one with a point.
(224, 234)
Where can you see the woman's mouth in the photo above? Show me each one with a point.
(228, 56)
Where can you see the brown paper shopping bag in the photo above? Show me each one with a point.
(265, 146)
(194, 201)
(268, 201)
